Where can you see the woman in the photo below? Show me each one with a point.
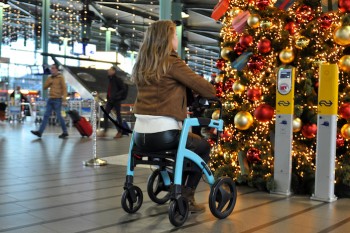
(161, 78)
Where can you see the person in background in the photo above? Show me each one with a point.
(17, 95)
(161, 78)
(3, 111)
(114, 96)
(57, 98)
(17, 98)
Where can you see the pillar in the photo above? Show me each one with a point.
(165, 9)
(172, 10)
(45, 27)
(1, 18)
(108, 40)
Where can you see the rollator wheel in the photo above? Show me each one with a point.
(222, 197)
(178, 211)
(156, 189)
(132, 199)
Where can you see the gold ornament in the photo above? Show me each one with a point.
(286, 55)
(254, 20)
(302, 42)
(342, 35)
(234, 11)
(215, 115)
(237, 87)
(345, 131)
(243, 120)
(225, 51)
(344, 63)
(266, 23)
(219, 78)
(297, 125)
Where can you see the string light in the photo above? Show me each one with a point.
(260, 134)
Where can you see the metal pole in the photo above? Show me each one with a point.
(65, 44)
(95, 161)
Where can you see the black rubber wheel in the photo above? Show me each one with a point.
(222, 197)
(177, 216)
(156, 189)
(132, 199)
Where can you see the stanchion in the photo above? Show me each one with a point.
(284, 131)
(95, 161)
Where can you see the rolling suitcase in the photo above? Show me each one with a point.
(81, 124)
(84, 127)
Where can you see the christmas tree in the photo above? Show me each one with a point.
(259, 37)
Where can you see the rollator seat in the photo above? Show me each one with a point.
(157, 154)
(160, 158)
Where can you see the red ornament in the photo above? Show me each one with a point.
(304, 14)
(325, 21)
(253, 155)
(220, 63)
(256, 63)
(344, 6)
(264, 45)
(218, 87)
(254, 94)
(309, 130)
(211, 142)
(246, 40)
(290, 27)
(340, 140)
(239, 49)
(227, 135)
(228, 84)
(344, 111)
(262, 4)
(264, 113)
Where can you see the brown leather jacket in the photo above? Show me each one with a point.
(58, 88)
(168, 97)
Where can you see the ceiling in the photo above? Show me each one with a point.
(130, 17)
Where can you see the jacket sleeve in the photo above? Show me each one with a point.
(64, 89)
(183, 74)
(48, 82)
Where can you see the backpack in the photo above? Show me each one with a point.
(124, 94)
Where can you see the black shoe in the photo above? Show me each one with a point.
(63, 135)
(37, 133)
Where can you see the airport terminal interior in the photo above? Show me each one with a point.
(278, 128)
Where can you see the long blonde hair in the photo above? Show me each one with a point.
(153, 58)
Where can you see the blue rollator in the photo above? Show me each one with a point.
(223, 193)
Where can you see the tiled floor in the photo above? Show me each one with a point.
(44, 188)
